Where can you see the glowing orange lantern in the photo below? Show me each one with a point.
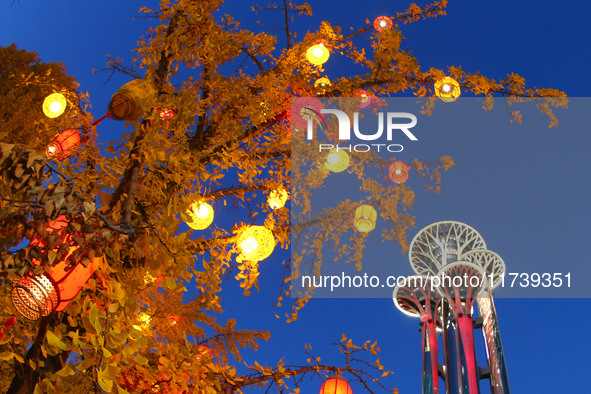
(63, 144)
(447, 89)
(277, 198)
(35, 296)
(54, 105)
(203, 351)
(398, 172)
(382, 23)
(173, 319)
(131, 100)
(336, 386)
(365, 218)
(337, 160)
(255, 243)
(318, 53)
(200, 215)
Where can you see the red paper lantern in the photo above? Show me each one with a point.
(398, 172)
(63, 144)
(304, 108)
(365, 99)
(336, 386)
(382, 23)
(35, 296)
(173, 319)
(203, 351)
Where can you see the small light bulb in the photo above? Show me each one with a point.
(318, 52)
(446, 88)
(332, 158)
(202, 211)
(398, 172)
(383, 23)
(249, 245)
(55, 107)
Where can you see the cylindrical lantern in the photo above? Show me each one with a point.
(447, 89)
(277, 198)
(318, 53)
(382, 23)
(336, 386)
(365, 218)
(200, 215)
(35, 296)
(54, 105)
(255, 243)
(131, 100)
(398, 172)
(337, 160)
(63, 144)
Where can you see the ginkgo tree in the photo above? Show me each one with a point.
(200, 141)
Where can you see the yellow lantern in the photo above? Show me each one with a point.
(337, 160)
(277, 198)
(54, 105)
(318, 53)
(447, 89)
(256, 243)
(365, 218)
(321, 84)
(200, 215)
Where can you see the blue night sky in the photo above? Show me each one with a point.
(524, 188)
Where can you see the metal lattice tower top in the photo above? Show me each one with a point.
(492, 264)
(440, 244)
(418, 297)
(461, 283)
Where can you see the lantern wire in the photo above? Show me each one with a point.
(101, 119)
